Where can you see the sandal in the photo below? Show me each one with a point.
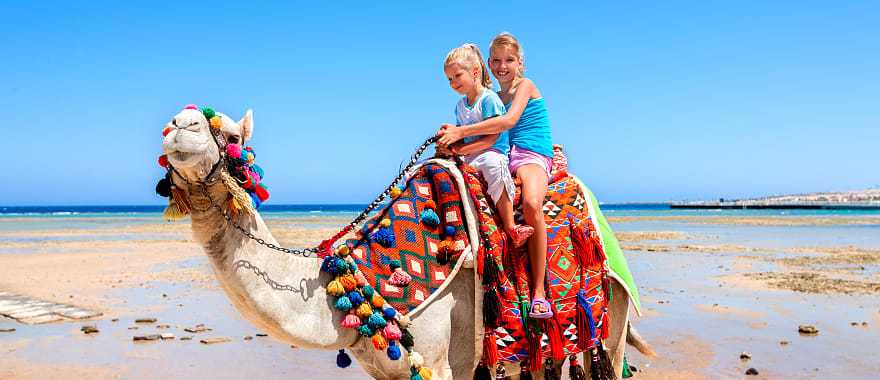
(520, 234)
(543, 303)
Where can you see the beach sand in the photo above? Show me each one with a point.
(710, 291)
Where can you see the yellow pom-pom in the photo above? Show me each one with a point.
(216, 122)
(335, 289)
(426, 373)
(378, 301)
(250, 158)
(395, 192)
(343, 250)
(364, 310)
(379, 342)
(385, 222)
(348, 282)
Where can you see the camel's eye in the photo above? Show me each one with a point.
(193, 123)
(233, 139)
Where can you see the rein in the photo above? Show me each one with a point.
(322, 249)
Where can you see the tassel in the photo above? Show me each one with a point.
(585, 322)
(482, 373)
(490, 349)
(550, 370)
(342, 359)
(393, 351)
(392, 332)
(535, 352)
(364, 311)
(554, 335)
(627, 372)
(430, 218)
(583, 245)
(351, 321)
(605, 364)
(406, 340)
(379, 342)
(414, 374)
(606, 324)
(399, 278)
(491, 308)
(425, 373)
(524, 373)
(575, 371)
(179, 196)
(376, 321)
(500, 372)
(173, 212)
(490, 271)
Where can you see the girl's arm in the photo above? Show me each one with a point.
(449, 134)
(483, 143)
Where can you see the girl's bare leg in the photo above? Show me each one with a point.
(534, 188)
(505, 210)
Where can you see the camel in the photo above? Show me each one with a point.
(284, 294)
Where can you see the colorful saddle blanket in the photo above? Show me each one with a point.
(430, 226)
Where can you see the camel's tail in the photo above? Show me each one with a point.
(634, 339)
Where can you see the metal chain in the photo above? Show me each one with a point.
(376, 202)
(306, 252)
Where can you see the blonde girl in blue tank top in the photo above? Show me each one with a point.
(531, 150)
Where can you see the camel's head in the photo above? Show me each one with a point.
(190, 144)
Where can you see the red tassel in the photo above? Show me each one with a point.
(583, 329)
(554, 335)
(583, 245)
(606, 324)
(598, 251)
(535, 353)
(262, 193)
(490, 349)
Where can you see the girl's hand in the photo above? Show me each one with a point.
(449, 135)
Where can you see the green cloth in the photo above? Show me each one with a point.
(616, 260)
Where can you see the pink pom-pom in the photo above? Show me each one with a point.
(255, 177)
(399, 278)
(233, 150)
(392, 332)
(361, 279)
(191, 107)
(351, 321)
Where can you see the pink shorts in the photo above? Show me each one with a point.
(520, 157)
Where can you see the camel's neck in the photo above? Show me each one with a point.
(300, 312)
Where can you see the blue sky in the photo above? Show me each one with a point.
(653, 100)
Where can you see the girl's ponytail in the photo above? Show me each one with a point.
(486, 81)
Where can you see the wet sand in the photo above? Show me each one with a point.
(710, 291)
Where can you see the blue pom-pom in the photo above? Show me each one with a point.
(341, 266)
(376, 321)
(342, 359)
(368, 292)
(393, 350)
(449, 230)
(430, 218)
(355, 297)
(385, 237)
(365, 330)
(343, 303)
(329, 264)
(255, 200)
(389, 312)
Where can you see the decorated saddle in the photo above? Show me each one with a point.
(439, 221)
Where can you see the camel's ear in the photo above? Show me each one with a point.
(247, 125)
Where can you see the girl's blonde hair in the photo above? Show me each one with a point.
(468, 57)
(507, 39)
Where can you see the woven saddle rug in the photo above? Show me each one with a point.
(441, 219)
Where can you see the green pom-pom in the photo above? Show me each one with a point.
(208, 112)
(368, 292)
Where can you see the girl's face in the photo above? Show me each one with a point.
(504, 63)
(460, 79)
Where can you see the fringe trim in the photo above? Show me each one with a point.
(238, 194)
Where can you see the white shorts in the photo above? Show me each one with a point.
(493, 165)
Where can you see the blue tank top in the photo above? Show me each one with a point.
(532, 131)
